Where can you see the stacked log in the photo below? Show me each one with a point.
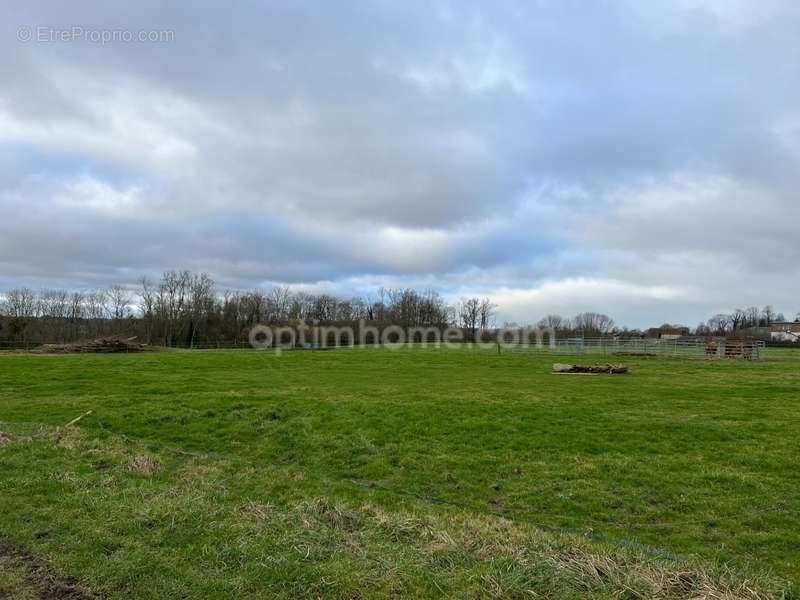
(99, 345)
(592, 369)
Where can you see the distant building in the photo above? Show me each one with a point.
(785, 331)
(667, 333)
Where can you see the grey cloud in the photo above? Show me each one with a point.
(285, 142)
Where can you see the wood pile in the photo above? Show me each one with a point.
(99, 345)
(561, 368)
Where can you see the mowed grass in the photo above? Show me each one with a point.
(372, 472)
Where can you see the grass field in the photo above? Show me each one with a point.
(379, 473)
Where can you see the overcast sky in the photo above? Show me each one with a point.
(635, 158)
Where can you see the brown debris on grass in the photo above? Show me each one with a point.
(563, 369)
(5, 438)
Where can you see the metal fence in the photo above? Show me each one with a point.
(18, 346)
(693, 348)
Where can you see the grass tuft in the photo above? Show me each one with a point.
(144, 465)
(336, 515)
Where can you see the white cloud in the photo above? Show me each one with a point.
(86, 193)
(620, 299)
(623, 156)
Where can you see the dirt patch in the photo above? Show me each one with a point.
(35, 578)
(5, 438)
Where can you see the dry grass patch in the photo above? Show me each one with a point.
(68, 438)
(649, 580)
(398, 526)
(511, 559)
(144, 465)
(257, 510)
(336, 515)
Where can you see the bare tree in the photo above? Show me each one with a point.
(147, 298)
(486, 313)
(752, 317)
(53, 307)
(96, 304)
(171, 299)
(469, 315)
(75, 312)
(280, 297)
(201, 305)
(54, 303)
(737, 318)
(119, 301)
(21, 305)
(719, 324)
(593, 324)
(554, 322)
(147, 307)
(96, 308)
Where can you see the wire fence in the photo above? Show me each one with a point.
(22, 347)
(691, 348)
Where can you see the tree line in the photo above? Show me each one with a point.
(187, 309)
(740, 321)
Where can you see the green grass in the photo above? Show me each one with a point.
(413, 472)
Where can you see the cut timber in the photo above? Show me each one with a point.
(564, 369)
(104, 344)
